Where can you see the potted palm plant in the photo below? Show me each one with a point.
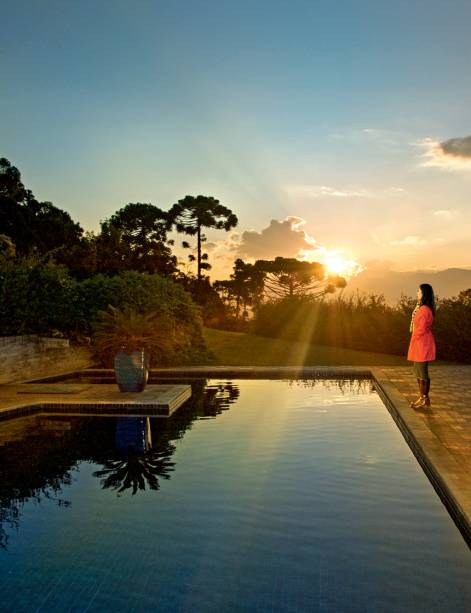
(130, 339)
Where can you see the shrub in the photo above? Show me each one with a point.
(144, 293)
(366, 324)
(35, 298)
(452, 328)
(129, 330)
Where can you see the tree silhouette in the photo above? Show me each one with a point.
(191, 214)
(289, 277)
(135, 237)
(33, 226)
(244, 288)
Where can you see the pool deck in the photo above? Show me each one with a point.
(78, 399)
(439, 436)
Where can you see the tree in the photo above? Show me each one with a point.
(191, 214)
(135, 238)
(51, 227)
(111, 252)
(10, 182)
(33, 226)
(244, 288)
(13, 199)
(80, 258)
(205, 296)
(289, 277)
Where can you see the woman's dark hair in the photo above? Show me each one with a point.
(428, 297)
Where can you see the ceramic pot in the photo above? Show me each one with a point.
(131, 371)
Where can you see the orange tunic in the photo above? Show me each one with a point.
(422, 344)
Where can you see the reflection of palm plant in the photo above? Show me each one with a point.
(134, 470)
(130, 330)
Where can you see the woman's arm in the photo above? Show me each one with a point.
(422, 322)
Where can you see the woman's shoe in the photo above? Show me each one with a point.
(418, 403)
(424, 401)
(422, 391)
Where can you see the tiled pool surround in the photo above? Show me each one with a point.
(449, 476)
(158, 400)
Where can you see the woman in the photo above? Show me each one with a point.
(422, 344)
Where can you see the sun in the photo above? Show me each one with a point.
(336, 264)
(334, 261)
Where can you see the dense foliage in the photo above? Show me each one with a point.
(366, 324)
(31, 225)
(135, 238)
(145, 293)
(37, 298)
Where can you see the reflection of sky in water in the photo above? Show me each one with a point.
(288, 499)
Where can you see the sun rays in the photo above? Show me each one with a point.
(333, 260)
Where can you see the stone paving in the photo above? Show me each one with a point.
(449, 416)
(439, 435)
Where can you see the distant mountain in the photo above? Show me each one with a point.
(380, 280)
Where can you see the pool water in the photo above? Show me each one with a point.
(257, 495)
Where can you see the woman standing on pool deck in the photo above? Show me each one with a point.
(422, 344)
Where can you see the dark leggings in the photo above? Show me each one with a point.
(421, 370)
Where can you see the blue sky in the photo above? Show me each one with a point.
(333, 113)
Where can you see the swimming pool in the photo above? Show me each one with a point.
(257, 495)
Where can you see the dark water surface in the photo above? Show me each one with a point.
(255, 496)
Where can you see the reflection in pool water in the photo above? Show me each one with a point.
(302, 497)
(38, 454)
(138, 463)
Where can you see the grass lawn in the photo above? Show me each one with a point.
(238, 349)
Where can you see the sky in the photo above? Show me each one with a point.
(332, 129)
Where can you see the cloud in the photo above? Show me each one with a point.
(376, 136)
(379, 265)
(328, 191)
(445, 214)
(415, 241)
(285, 238)
(458, 147)
(288, 238)
(451, 154)
(385, 137)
